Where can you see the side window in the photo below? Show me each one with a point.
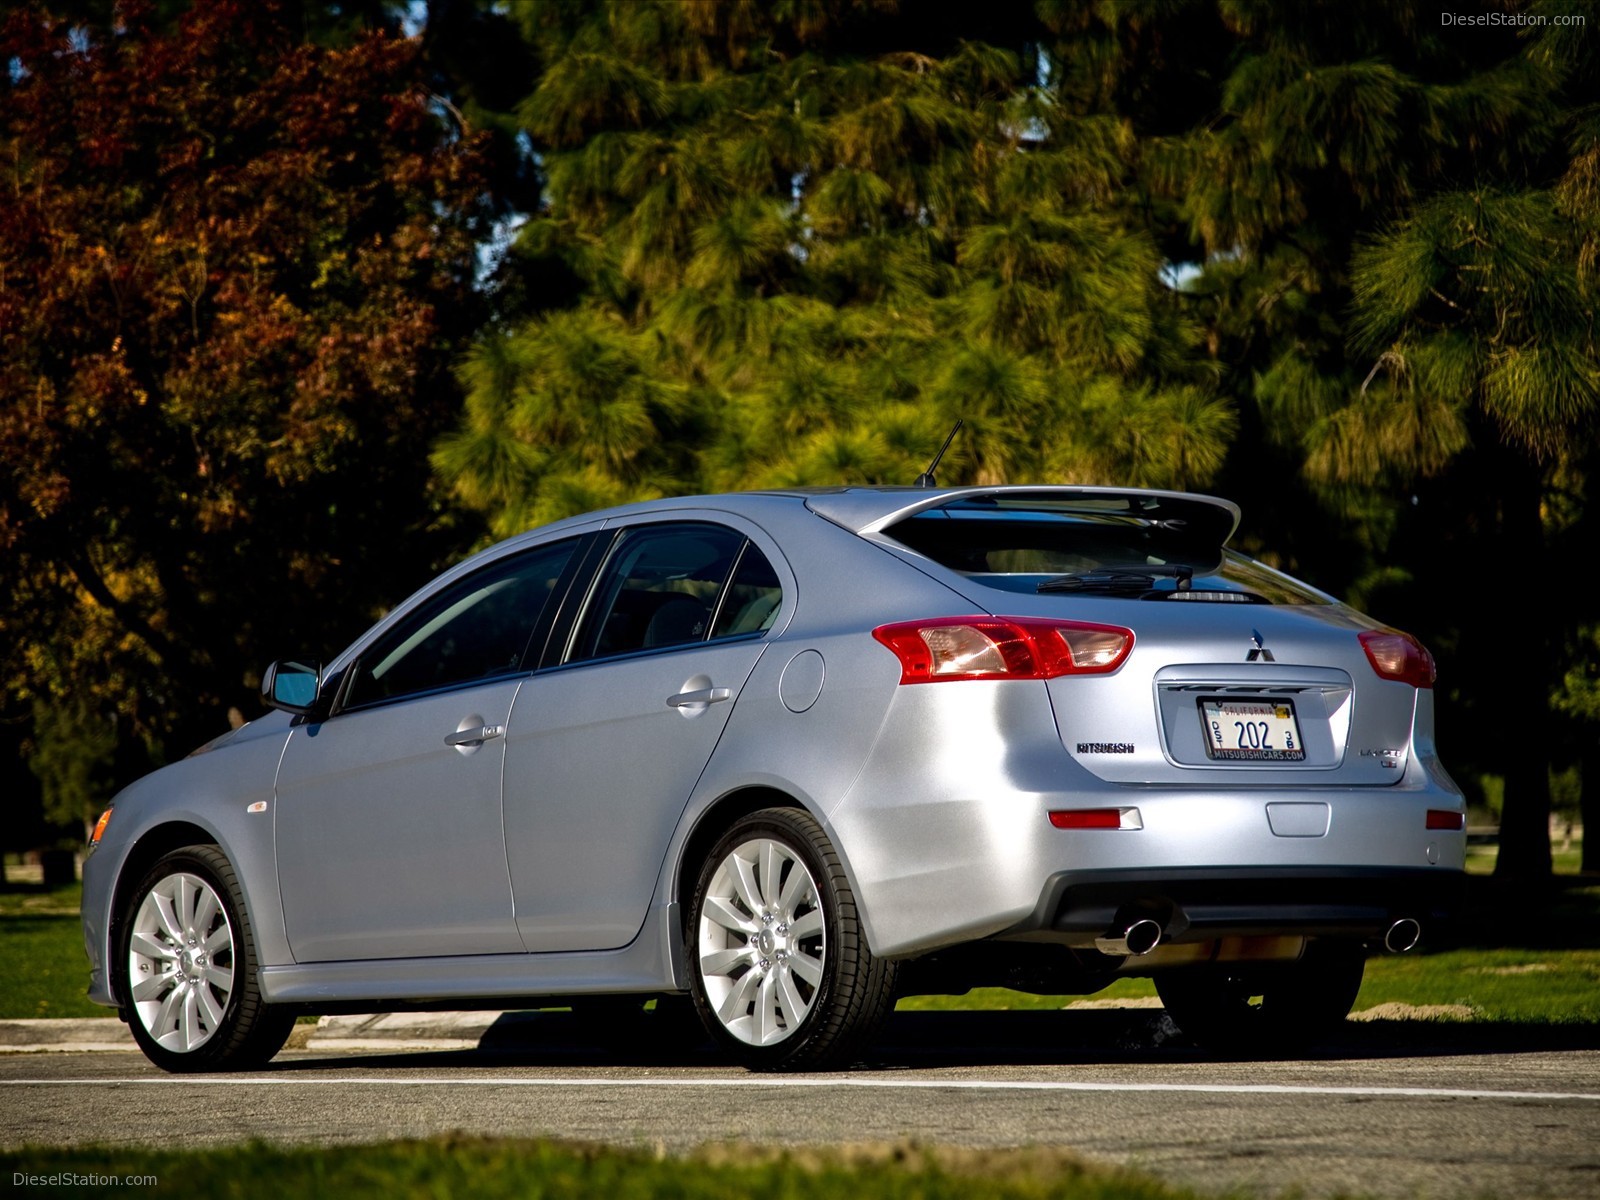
(750, 604)
(660, 587)
(478, 628)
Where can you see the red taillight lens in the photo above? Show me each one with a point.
(1096, 818)
(1396, 655)
(1444, 818)
(947, 648)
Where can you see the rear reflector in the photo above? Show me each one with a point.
(979, 647)
(1444, 818)
(1096, 818)
(1399, 656)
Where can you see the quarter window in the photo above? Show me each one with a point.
(476, 629)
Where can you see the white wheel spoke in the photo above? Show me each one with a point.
(720, 962)
(166, 1020)
(807, 967)
(738, 998)
(794, 1008)
(767, 1028)
(220, 978)
(151, 987)
(183, 906)
(221, 939)
(807, 925)
(796, 889)
(149, 946)
(213, 1010)
(193, 1034)
(168, 919)
(205, 912)
(726, 915)
(744, 880)
(772, 860)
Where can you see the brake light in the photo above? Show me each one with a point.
(1399, 656)
(948, 648)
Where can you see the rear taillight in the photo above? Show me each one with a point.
(948, 648)
(1396, 655)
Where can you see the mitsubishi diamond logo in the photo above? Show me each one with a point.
(1259, 652)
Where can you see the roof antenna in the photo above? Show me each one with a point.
(926, 480)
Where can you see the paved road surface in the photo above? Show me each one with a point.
(1397, 1110)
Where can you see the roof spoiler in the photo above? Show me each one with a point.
(872, 510)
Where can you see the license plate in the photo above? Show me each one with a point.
(1251, 730)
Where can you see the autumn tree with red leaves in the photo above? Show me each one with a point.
(234, 271)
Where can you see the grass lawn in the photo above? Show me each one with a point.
(1504, 966)
(43, 969)
(490, 1168)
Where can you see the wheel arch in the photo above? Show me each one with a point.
(712, 824)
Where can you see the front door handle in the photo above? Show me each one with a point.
(706, 695)
(474, 737)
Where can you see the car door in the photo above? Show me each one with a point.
(389, 833)
(606, 747)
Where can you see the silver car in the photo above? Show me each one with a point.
(795, 754)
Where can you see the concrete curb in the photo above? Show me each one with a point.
(384, 1031)
(390, 1032)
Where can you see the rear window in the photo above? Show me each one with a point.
(1098, 547)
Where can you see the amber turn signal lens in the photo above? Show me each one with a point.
(100, 827)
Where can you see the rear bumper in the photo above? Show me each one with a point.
(1199, 904)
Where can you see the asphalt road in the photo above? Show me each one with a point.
(1390, 1110)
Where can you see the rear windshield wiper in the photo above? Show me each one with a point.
(1104, 580)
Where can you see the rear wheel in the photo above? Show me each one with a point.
(782, 974)
(1268, 1008)
(187, 969)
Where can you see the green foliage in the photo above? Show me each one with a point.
(802, 261)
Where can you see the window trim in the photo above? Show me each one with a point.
(528, 661)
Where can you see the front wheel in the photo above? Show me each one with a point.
(187, 967)
(782, 974)
(1269, 1007)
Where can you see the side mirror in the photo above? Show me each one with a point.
(291, 686)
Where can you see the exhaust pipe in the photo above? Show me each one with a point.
(1403, 935)
(1139, 938)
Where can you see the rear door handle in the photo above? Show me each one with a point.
(474, 737)
(708, 695)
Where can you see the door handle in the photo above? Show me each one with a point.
(707, 695)
(474, 737)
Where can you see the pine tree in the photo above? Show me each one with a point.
(801, 243)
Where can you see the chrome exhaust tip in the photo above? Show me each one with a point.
(1402, 936)
(1139, 938)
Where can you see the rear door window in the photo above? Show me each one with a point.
(676, 584)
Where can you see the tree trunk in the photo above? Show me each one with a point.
(1523, 697)
(1589, 802)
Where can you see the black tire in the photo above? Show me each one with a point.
(841, 992)
(211, 1016)
(1266, 1008)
